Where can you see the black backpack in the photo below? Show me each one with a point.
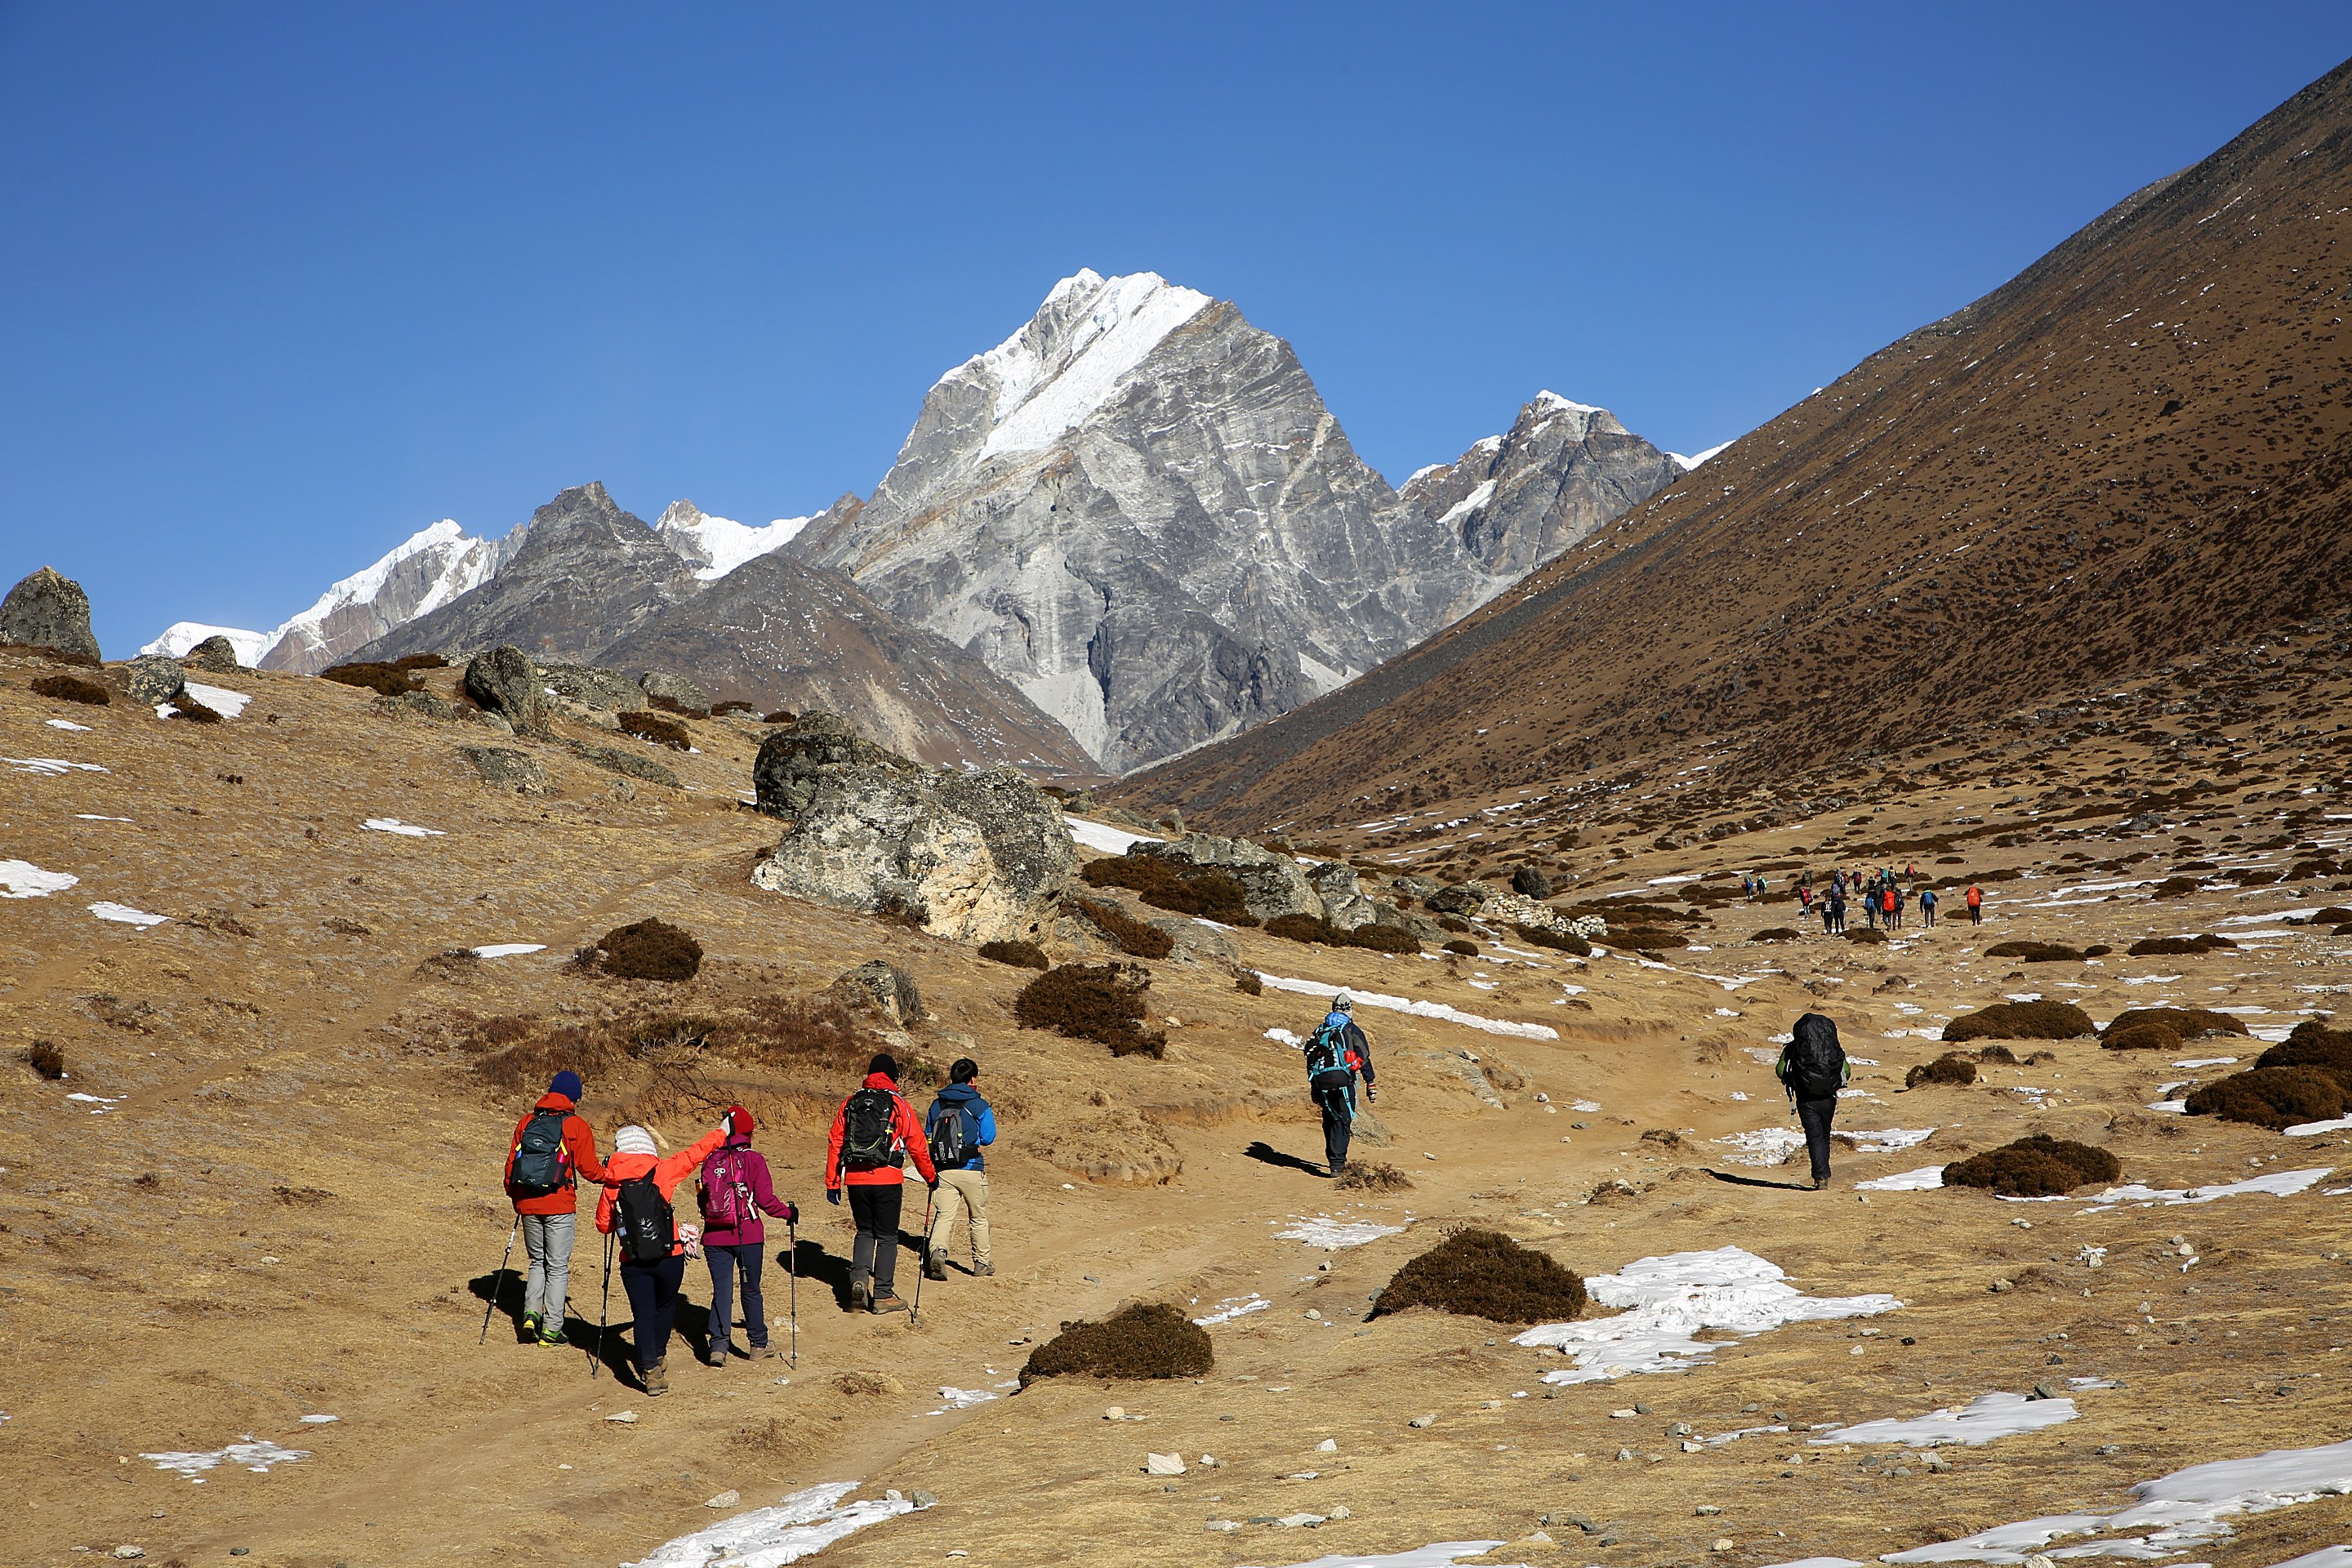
(541, 1164)
(1816, 1062)
(1326, 1052)
(870, 1130)
(642, 1218)
(951, 1142)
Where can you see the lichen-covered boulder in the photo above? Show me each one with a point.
(881, 987)
(1461, 898)
(48, 609)
(1272, 883)
(151, 678)
(503, 767)
(794, 759)
(676, 688)
(602, 690)
(213, 655)
(1345, 904)
(503, 681)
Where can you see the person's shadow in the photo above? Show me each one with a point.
(1268, 1154)
(822, 1270)
(1739, 1181)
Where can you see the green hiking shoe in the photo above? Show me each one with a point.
(554, 1336)
(532, 1324)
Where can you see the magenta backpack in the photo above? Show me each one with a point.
(726, 1196)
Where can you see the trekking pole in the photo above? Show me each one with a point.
(792, 1273)
(603, 1311)
(915, 1314)
(498, 1278)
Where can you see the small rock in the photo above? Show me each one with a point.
(1328, 1446)
(626, 1417)
(1163, 1464)
(726, 1498)
(1315, 1315)
(1722, 1543)
(1706, 1509)
(922, 1499)
(1627, 1456)
(1625, 1414)
(1116, 1413)
(2046, 1391)
(1419, 1422)
(1342, 1511)
(1223, 1526)
(131, 1552)
(1300, 1520)
(2000, 1286)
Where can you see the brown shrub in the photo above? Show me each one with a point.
(72, 689)
(2177, 946)
(1650, 939)
(2000, 1054)
(1020, 954)
(2186, 1022)
(1454, 923)
(1133, 937)
(2038, 1166)
(1949, 1067)
(1149, 1339)
(1372, 1176)
(186, 705)
(2035, 951)
(420, 661)
(527, 1064)
(2318, 866)
(1167, 885)
(661, 732)
(2274, 1097)
(2097, 950)
(303, 1197)
(1248, 983)
(44, 1057)
(385, 679)
(54, 655)
(1562, 941)
(1303, 928)
(2175, 888)
(2140, 1037)
(733, 705)
(1461, 949)
(650, 949)
(1869, 936)
(2022, 1021)
(1775, 933)
(1102, 1002)
(781, 716)
(1484, 1274)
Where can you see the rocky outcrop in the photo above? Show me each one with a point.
(631, 764)
(883, 988)
(1272, 883)
(603, 690)
(503, 767)
(980, 856)
(213, 655)
(663, 685)
(48, 609)
(1531, 882)
(1345, 903)
(503, 682)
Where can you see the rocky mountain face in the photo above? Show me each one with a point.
(1517, 499)
(2133, 452)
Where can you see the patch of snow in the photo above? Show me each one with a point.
(178, 640)
(961, 1399)
(1437, 1554)
(2306, 1129)
(68, 724)
(2266, 915)
(2277, 1184)
(1668, 1300)
(405, 829)
(1332, 1234)
(2205, 1062)
(1924, 1179)
(1047, 381)
(799, 1525)
(123, 914)
(219, 699)
(1695, 458)
(1478, 497)
(1981, 1420)
(1417, 1009)
(23, 880)
(321, 1420)
(93, 816)
(50, 767)
(1887, 1141)
(1103, 836)
(1232, 1307)
(720, 544)
(2150, 979)
(2326, 1557)
(1764, 1146)
(508, 949)
(257, 1456)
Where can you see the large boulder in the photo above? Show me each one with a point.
(153, 679)
(1345, 904)
(796, 758)
(633, 764)
(1461, 898)
(1272, 883)
(503, 682)
(49, 610)
(971, 857)
(677, 689)
(1529, 881)
(604, 691)
(213, 655)
(503, 767)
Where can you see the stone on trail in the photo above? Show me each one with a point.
(503, 682)
(49, 610)
(1163, 1464)
(726, 1498)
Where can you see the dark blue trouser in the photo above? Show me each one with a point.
(1815, 1116)
(724, 1261)
(1337, 1103)
(653, 1301)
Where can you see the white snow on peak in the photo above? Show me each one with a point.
(1552, 402)
(1693, 461)
(1422, 472)
(720, 544)
(467, 567)
(1461, 510)
(1089, 336)
(180, 636)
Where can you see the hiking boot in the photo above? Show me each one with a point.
(532, 1324)
(717, 1358)
(935, 1263)
(656, 1378)
(861, 1296)
(764, 1353)
(888, 1302)
(983, 1269)
(1821, 1183)
(552, 1337)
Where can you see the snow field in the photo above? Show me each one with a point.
(798, 1525)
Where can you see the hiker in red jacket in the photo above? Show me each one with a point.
(1976, 905)
(561, 1147)
(734, 1192)
(651, 1282)
(873, 1133)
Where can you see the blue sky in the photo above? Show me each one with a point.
(284, 284)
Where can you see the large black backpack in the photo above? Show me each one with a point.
(1816, 1061)
(870, 1130)
(541, 1164)
(642, 1218)
(951, 1141)
(1327, 1051)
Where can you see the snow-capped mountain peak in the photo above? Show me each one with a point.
(717, 545)
(1695, 458)
(1089, 336)
(182, 636)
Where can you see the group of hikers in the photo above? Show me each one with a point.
(1883, 898)
(876, 1135)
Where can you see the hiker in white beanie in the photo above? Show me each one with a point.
(636, 1211)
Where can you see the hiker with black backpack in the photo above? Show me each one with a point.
(1812, 1069)
(873, 1133)
(551, 1146)
(636, 1211)
(1336, 1054)
(734, 1192)
(958, 1125)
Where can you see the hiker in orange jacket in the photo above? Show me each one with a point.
(652, 1283)
(873, 1133)
(547, 1198)
(1976, 905)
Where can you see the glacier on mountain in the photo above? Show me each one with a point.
(717, 545)
(180, 636)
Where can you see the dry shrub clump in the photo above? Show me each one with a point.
(1484, 1274)
(2140, 1037)
(44, 1057)
(650, 949)
(1775, 933)
(54, 655)
(669, 704)
(1149, 1339)
(2186, 1023)
(2175, 888)
(1370, 935)
(661, 732)
(2022, 1021)
(2000, 1054)
(2038, 1166)
(1248, 983)
(1462, 948)
(1949, 1067)
(733, 705)
(420, 661)
(781, 716)
(186, 705)
(1166, 885)
(2314, 1044)
(1020, 954)
(1133, 937)
(1100, 1001)
(1869, 936)
(1650, 939)
(2274, 1096)
(385, 679)
(72, 689)
(1563, 940)
(2036, 952)
(1372, 1176)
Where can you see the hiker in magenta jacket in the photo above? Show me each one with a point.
(876, 1189)
(734, 1191)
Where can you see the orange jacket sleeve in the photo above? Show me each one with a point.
(833, 1147)
(911, 1132)
(686, 1162)
(604, 1209)
(581, 1139)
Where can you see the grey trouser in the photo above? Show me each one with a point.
(548, 1238)
(966, 1189)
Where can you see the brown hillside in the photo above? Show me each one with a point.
(2135, 450)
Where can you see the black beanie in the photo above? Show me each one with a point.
(884, 1063)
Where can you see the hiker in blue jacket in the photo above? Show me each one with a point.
(1336, 1053)
(958, 1125)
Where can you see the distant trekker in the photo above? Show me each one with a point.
(1891, 905)
(1975, 897)
(636, 1211)
(1927, 906)
(734, 1192)
(873, 1133)
(1812, 1069)
(551, 1146)
(1336, 1054)
(1833, 910)
(958, 1125)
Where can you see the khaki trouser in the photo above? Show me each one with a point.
(963, 1190)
